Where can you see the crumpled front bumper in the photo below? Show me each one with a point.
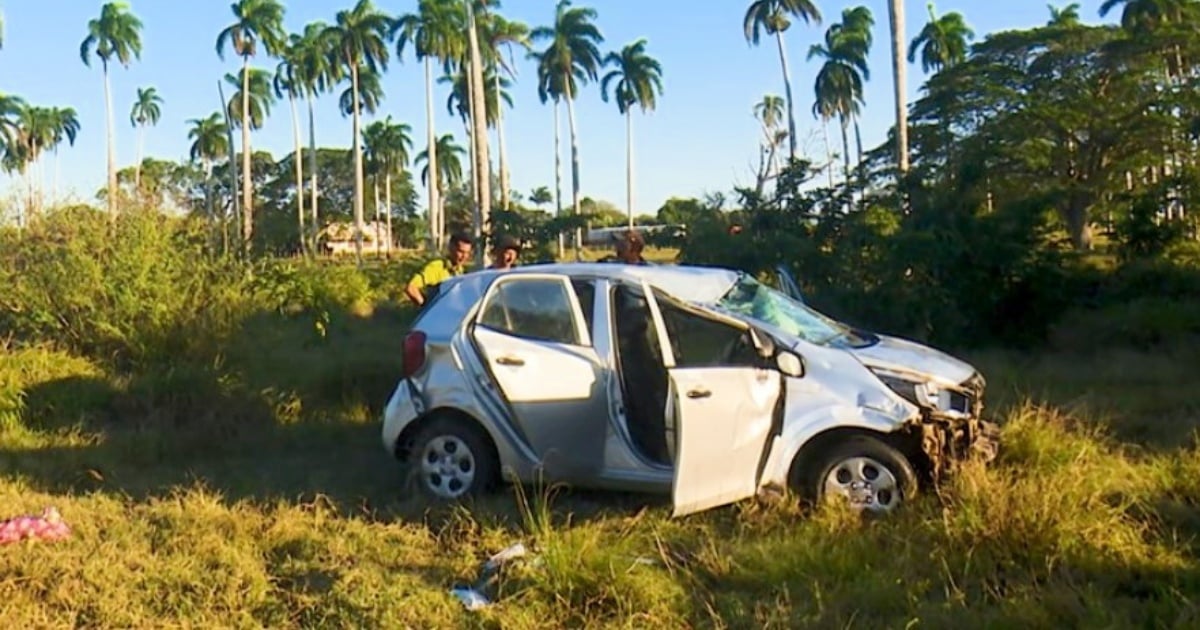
(949, 438)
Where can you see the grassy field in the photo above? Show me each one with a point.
(250, 490)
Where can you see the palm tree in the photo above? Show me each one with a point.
(942, 42)
(34, 132)
(448, 169)
(570, 60)
(65, 123)
(435, 31)
(145, 112)
(256, 101)
(498, 32)
(496, 92)
(209, 143)
(255, 21)
(1066, 17)
(481, 165)
(770, 112)
(287, 83)
(116, 34)
(359, 39)
(771, 17)
(315, 71)
(896, 22)
(839, 83)
(387, 146)
(370, 95)
(636, 79)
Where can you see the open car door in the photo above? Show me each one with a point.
(723, 412)
(788, 284)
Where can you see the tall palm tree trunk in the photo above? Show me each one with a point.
(298, 158)
(828, 150)
(629, 164)
(896, 17)
(500, 142)
(574, 168)
(112, 150)
(358, 165)
(558, 178)
(435, 207)
(247, 181)
(387, 200)
(137, 167)
(312, 173)
(787, 87)
(378, 239)
(845, 124)
(479, 122)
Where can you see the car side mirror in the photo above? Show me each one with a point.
(789, 364)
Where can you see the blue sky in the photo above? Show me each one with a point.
(702, 137)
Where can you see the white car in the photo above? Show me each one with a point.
(699, 382)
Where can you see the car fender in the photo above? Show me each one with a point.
(811, 410)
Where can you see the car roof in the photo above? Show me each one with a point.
(689, 283)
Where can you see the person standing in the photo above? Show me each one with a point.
(505, 253)
(424, 285)
(629, 248)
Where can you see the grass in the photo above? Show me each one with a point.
(246, 487)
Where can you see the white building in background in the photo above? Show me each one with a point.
(338, 238)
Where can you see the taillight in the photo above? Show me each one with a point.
(414, 352)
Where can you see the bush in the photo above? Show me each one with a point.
(136, 290)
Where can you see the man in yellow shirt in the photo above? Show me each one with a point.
(424, 284)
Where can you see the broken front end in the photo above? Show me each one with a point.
(951, 429)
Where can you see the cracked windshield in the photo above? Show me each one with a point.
(599, 313)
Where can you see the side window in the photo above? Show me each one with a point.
(533, 308)
(701, 342)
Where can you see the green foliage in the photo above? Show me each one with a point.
(140, 289)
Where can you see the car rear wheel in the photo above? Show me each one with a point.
(451, 459)
(860, 472)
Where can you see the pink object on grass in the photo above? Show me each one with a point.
(49, 526)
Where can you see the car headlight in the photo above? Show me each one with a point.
(919, 393)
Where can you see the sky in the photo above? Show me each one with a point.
(701, 138)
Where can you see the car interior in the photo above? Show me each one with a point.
(696, 341)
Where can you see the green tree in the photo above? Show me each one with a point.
(255, 21)
(571, 58)
(942, 42)
(636, 80)
(448, 172)
(839, 83)
(288, 82)
(65, 123)
(435, 32)
(770, 17)
(499, 33)
(316, 72)
(146, 111)
(209, 144)
(115, 35)
(359, 40)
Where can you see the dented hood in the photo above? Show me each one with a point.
(897, 354)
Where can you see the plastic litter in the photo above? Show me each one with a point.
(47, 527)
(475, 596)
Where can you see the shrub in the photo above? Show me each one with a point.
(135, 290)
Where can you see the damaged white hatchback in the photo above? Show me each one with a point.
(699, 382)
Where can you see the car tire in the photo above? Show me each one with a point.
(868, 474)
(451, 459)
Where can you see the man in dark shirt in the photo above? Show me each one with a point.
(629, 248)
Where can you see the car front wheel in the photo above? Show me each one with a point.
(860, 472)
(451, 459)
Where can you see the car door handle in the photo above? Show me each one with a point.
(510, 360)
(699, 393)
